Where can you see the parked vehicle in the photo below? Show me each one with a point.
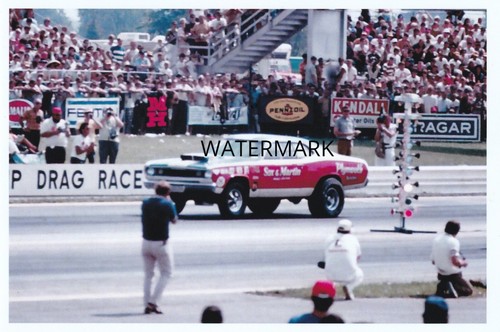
(277, 63)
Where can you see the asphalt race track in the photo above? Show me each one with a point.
(80, 262)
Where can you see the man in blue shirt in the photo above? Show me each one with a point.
(322, 296)
(157, 212)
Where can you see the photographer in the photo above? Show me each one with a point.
(108, 136)
(93, 125)
(33, 118)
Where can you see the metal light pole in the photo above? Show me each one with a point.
(405, 169)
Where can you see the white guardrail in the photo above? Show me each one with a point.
(67, 180)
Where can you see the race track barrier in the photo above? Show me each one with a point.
(126, 180)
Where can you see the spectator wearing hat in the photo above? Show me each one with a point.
(322, 296)
(54, 133)
(345, 132)
(435, 310)
(341, 256)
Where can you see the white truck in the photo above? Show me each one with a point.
(277, 63)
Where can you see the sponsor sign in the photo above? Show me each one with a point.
(75, 108)
(286, 110)
(157, 111)
(206, 116)
(364, 112)
(447, 127)
(16, 109)
(76, 180)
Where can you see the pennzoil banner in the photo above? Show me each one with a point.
(364, 112)
(286, 110)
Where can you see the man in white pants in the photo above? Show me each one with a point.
(342, 253)
(157, 212)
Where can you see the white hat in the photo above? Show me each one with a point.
(345, 225)
(446, 30)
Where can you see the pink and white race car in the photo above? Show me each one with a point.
(258, 171)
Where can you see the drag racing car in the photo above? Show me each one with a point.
(258, 171)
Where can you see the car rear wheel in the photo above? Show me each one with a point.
(327, 199)
(263, 206)
(233, 200)
(180, 202)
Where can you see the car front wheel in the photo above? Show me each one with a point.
(233, 200)
(327, 199)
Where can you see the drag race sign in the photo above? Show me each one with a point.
(364, 112)
(76, 180)
(16, 109)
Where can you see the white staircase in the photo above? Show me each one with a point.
(259, 35)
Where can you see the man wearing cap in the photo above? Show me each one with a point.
(342, 253)
(322, 295)
(55, 132)
(436, 310)
(345, 132)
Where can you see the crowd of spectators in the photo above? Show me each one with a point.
(443, 60)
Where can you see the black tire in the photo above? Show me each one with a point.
(263, 206)
(180, 202)
(327, 200)
(233, 200)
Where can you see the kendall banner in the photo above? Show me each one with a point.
(364, 112)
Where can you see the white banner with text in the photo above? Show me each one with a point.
(76, 180)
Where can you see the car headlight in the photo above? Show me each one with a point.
(150, 171)
(208, 174)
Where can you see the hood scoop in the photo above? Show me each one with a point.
(194, 157)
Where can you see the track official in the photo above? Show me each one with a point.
(157, 212)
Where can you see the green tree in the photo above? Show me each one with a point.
(160, 20)
(57, 17)
(112, 21)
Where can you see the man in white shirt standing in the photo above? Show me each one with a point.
(448, 260)
(55, 132)
(342, 253)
